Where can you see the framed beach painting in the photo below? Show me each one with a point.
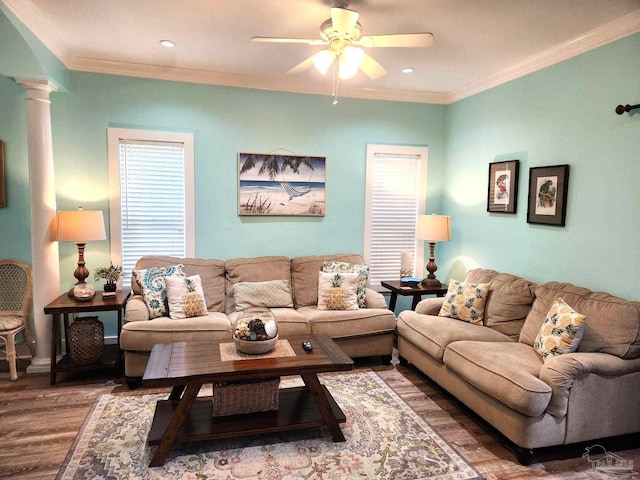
(275, 184)
(548, 195)
(503, 186)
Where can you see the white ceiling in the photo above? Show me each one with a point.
(477, 43)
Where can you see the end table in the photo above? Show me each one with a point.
(416, 292)
(65, 305)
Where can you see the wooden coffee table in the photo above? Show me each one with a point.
(186, 366)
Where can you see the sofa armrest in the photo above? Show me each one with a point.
(136, 309)
(562, 371)
(430, 306)
(373, 299)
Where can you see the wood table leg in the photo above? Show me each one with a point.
(316, 389)
(175, 424)
(392, 301)
(416, 300)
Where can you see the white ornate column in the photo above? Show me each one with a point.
(44, 249)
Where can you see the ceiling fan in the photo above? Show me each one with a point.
(342, 33)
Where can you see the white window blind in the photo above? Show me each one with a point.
(395, 196)
(154, 196)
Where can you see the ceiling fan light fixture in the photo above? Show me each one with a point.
(353, 56)
(323, 61)
(346, 71)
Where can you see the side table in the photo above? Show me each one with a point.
(65, 305)
(416, 292)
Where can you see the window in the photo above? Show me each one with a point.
(151, 178)
(396, 186)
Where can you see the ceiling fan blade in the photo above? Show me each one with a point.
(397, 40)
(343, 20)
(303, 65)
(306, 41)
(371, 68)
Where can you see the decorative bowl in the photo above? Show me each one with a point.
(255, 331)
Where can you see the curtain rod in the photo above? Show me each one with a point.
(620, 109)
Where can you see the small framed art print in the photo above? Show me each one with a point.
(548, 195)
(503, 186)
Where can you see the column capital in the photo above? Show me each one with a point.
(37, 84)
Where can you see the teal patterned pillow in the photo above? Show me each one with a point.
(345, 267)
(154, 290)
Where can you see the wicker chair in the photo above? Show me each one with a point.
(16, 290)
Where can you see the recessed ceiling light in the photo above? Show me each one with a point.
(167, 43)
(407, 70)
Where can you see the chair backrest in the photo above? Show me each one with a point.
(16, 287)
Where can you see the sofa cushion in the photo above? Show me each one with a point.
(612, 326)
(360, 269)
(508, 371)
(304, 275)
(272, 293)
(182, 302)
(141, 336)
(349, 323)
(154, 291)
(337, 291)
(211, 274)
(259, 269)
(433, 334)
(509, 301)
(465, 301)
(290, 322)
(561, 331)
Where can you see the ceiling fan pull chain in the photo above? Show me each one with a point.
(335, 80)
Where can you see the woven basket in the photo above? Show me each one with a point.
(86, 340)
(247, 396)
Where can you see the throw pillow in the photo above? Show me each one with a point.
(337, 291)
(561, 331)
(269, 294)
(465, 301)
(345, 267)
(185, 297)
(151, 280)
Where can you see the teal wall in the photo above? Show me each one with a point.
(563, 114)
(226, 121)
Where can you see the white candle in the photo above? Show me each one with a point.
(406, 264)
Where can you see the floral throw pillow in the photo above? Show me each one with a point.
(345, 267)
(560, 332)
(465, 301)
(185, 297)
(154, 292)
(337, 291)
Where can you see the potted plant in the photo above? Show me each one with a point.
(110, 274)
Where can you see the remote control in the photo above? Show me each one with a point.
(307, 346)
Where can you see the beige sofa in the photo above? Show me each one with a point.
(495, 371)
(360, 333)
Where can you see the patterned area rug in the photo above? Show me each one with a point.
(385, 439)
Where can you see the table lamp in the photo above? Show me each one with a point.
(433, 228)
(80, 226)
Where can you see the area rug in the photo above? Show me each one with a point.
(385, 439)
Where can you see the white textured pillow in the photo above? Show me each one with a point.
(182, 302)
(152, 281)
(337, 291)
(269, 294)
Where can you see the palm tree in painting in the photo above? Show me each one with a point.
(274, 165)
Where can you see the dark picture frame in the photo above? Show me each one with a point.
(502, 194)
(3, 194)
(548, 187)
(274, 184)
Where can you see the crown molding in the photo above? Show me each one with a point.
(176, 74)
(612, 31)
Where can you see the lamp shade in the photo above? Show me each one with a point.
(434, 228)
(80, 226)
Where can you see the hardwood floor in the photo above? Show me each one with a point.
(38, 425)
